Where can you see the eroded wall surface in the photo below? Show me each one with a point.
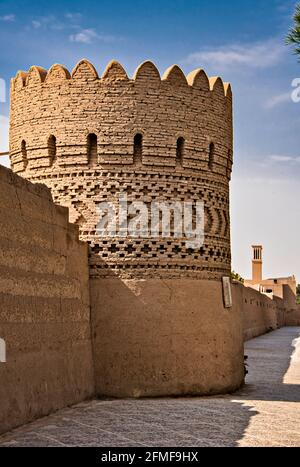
(292, 314)
(165, 337)
(260, 313)
(44, 305)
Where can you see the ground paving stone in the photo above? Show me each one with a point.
(265, 412)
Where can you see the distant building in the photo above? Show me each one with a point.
(273, 286)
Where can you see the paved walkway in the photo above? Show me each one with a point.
(266, 412)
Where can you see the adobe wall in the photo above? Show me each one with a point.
(44, 312)
(260, 313)
(165, 337)
(292, 315)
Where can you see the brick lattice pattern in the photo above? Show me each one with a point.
(155, 139)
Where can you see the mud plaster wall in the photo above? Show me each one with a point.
(44, 305)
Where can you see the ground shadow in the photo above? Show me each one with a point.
(165, 422)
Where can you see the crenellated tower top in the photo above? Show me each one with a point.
(168, 138)
(56, 110)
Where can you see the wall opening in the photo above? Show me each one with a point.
(52, 149)
(92, 149)
(180, 151)
(24, 154)
(138, 149)
(211, 157)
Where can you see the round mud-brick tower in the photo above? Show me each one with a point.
(159, 324)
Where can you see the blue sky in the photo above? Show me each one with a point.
(243, 41)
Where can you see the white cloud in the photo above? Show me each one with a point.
(278, 158)
(87, 36)
(255, 55)
(47, 22)
(73, 16)
(281, 158)
(69, 22)
(42, 22)
(8, 18)
(36, 24)
(278, 100)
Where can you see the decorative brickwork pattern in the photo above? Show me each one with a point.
(155, 139)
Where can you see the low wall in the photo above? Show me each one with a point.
(292, 315)
(44, 305)
(164, 337)
(261, 314)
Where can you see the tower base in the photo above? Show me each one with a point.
(164, 338)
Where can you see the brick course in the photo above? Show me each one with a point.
(69, 107)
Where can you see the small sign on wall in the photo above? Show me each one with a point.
(227, 294)
(2, 351)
